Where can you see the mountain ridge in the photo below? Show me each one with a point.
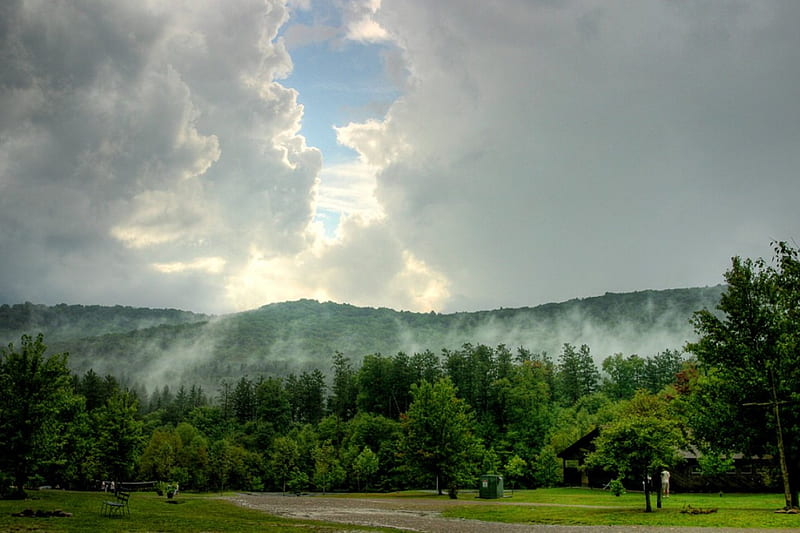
(175, 346)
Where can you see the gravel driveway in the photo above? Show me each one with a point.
(408, 514)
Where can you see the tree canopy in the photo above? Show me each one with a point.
(35, 391)
(749, 353)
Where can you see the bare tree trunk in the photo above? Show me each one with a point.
(659, 489)
(787, 491)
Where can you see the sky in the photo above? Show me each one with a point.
(455, 155)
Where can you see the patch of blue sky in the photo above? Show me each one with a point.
(339, 84)
(338, 81)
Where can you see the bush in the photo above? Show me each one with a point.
(616, 487)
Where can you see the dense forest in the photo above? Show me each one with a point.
(436, 415)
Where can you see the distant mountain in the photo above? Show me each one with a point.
(65, 322)
(153, 347)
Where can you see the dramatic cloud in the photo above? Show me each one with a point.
(143, 143)
(152, 153)
(551, 150)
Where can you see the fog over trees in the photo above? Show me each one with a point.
(436, 416)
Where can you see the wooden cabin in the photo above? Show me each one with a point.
(749, 474)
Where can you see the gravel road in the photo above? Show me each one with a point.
(408, 514)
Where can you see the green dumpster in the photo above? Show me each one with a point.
(491, 486)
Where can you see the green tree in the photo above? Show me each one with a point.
(547, 469)
(272, 404)
(344, 390)
(193, 456)
(473, 371)
(95, 389)
(118, 436)
(515, 469)
(284, 456)
(661, 370)
(577, 375)
(749, 353)
(426, 366)
(244, 401)
(161, 454)
(34, 393)
(625, 376)
(527, 407)
(306, 394)
(384, 384)
(438, 437)
(328, 471)
(644, 438)
(364, 467)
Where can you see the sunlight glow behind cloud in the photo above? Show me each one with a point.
(509, 154)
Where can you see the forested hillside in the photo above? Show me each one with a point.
(154, 347)
(451, 397)
(65, 322)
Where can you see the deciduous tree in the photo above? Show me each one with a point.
(439, 437)
(34, 391)
(749, 353)
(644, 438)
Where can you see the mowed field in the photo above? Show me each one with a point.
(573, 509)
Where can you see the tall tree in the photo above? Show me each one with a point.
(272, 404)
(374, 386)
(344, 390)
(625, 376)
(749, 350)
(438, 437)
(662, 369)
(118, 436)
(306, 395)
(577, 374)
(244, 400)
(34, 391)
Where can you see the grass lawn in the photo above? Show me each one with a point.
(596, 507)
(209, 513)
(149, 512)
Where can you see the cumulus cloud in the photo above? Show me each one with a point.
(361, 24)
(545, 151)
(140, 139)
(150, 152)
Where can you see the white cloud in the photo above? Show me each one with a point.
(210, 265)
(546, 151)
(349, 189)
(158, 126)
(366, 30)
(151, 155)
(360, 22)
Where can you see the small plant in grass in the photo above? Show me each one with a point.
(616, 488)
(162, 488)
(688, 509)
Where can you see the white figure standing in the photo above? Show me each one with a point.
(665, 483)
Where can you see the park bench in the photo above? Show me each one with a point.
(117, 507)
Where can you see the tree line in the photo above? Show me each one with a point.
(426, 419)
(392, 422)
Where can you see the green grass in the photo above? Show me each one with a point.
(192, 513)
(209, 513)
(594, 507)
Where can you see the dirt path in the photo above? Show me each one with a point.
(408, 514)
